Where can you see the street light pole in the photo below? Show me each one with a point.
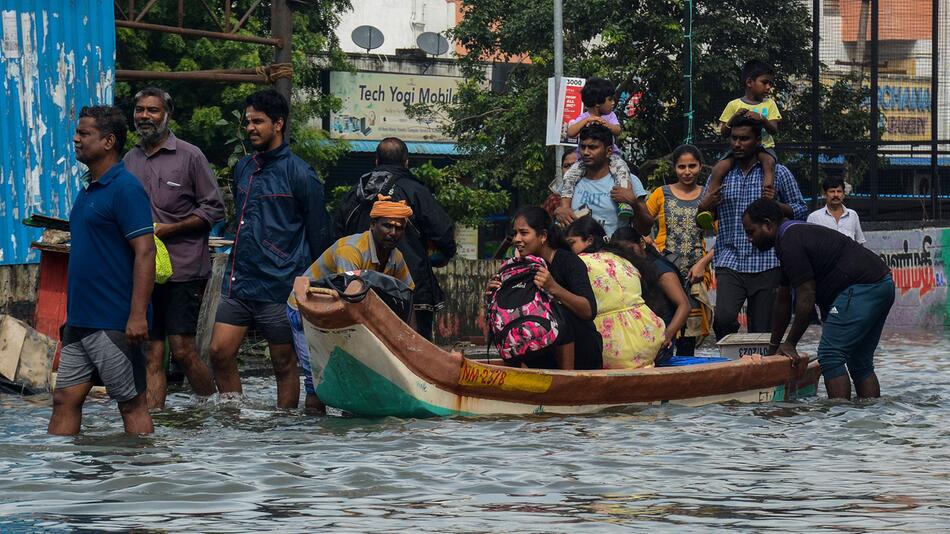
(558, 75)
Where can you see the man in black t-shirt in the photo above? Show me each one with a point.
(851, 285)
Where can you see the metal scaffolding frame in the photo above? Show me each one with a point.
(228, 29)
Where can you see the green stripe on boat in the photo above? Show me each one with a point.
(353, 387)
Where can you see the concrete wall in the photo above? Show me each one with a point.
(919, 263)
(400, 21)
(464, 314)
(18, 290)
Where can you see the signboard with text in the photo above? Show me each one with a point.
(904, 103)
(905, 107)
(563, 109)
(374, 105)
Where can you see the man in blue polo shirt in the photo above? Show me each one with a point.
(111, 273)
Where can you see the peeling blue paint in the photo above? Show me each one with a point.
(55, 58)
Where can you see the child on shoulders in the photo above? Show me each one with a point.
(758, 105)
(598, 98)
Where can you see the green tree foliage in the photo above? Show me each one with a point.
(843, 104)
(205, 111)
(465, 205)
(640, 46)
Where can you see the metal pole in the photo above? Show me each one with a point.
(281, 27)
(558, 74)
(934, 106)
(815, 96)
(198, 75)
(198, 33)
(875, 108)
(688, 74)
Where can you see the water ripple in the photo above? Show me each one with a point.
(824, 466)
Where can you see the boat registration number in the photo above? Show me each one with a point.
(478, 375)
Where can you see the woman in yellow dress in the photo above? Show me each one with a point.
(632, 333)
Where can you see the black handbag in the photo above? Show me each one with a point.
(395, 293)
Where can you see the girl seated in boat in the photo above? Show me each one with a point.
(665, 295)
(632, 332)
(578, 345)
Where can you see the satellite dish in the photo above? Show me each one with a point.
(432, 43)
(368, 37)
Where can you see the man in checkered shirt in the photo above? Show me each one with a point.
(743, 273)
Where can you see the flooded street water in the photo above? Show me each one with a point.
(880, 466)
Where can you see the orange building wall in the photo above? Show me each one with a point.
(899, 20)
(462, 51)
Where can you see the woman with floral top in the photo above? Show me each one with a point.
(632, 333)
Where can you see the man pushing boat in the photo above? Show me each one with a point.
(851, 285)
(375, 250)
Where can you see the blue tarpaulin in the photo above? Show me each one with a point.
(57, 57)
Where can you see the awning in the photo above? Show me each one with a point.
(433, 149)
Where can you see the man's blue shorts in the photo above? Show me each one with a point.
(301, 347)
(852, 329)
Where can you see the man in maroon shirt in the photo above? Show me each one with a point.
(185, 204)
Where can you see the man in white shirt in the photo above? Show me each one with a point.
(835, 215)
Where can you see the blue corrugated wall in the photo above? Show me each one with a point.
(57, 56)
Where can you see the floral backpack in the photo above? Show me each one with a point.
(521, 317)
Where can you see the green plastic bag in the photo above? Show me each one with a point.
(163, 262)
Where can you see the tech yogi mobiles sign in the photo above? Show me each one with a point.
(374, 105)
(563, 109)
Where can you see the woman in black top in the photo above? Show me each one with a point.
(579, 345)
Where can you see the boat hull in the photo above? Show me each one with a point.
(367, 362)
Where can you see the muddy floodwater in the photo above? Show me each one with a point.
(810, 465)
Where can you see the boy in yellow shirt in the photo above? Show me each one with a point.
(758, 105)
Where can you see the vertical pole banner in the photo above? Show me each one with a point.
(563, 109)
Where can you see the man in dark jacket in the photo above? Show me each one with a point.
(282, 226)
(429, 226)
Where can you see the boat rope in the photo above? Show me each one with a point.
(275, 71)
(322, 291)
(352, 298)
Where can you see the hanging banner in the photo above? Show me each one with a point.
(466, 238)
(563, 109)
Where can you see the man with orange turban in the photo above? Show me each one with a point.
(429, 240)
(373, 250)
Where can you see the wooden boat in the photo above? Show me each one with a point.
(368, 362)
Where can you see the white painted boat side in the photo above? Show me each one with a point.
(359, 342)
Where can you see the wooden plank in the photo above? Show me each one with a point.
(36, 360)
(209, 306)
(12, 334)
